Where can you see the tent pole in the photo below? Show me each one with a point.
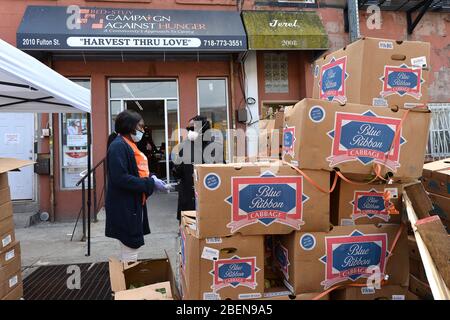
(89, 182)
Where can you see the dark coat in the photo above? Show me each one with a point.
(126, 216)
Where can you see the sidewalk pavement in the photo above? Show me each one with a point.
(49, 243)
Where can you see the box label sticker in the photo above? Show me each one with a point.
(392, 192)
(234, 272)
(317, 114)
(211, 296)
(288, 141)
(402, 80)
(367, 290)
(10, 255)
(347, 222)
(6, 240)
(366, 138)
(307, 242)
(386, 45)
(398, 297)
(246, 296)
(266, 199)
(282, 258)
(213, 240)
(277, 294)
(13, 281)
(332, 80)
(210, 254)
(420, 62)
(349, 258)
(370, 204)
(379, 102)
(211, 181)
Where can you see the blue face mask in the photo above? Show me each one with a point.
(138, 136)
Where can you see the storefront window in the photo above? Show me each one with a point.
(73, 127)
(213, 104)
(276, 73)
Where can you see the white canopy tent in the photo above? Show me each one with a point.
(27, 85)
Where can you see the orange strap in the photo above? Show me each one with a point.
(383, 282)
(310, 180)
(141, 162)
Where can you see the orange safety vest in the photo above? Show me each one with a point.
(141, 161)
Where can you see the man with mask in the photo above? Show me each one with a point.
(183, 171)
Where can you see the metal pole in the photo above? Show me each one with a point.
(89, 182)
(94, 183)
(353, 20)
(83, 208)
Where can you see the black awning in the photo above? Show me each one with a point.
(51, 28)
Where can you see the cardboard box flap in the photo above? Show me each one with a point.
(9, 164)
(437, 168)
(158, 291)
(190, 214)
(116, 275)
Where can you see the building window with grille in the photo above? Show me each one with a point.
(276, 73)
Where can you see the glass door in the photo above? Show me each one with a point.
(157, 102)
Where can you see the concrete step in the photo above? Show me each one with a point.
(26, 219)
(25, 206)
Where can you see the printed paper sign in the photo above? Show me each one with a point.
(266, 199)
(365, 138)
(353, 257)
(332, 80)
(288, 140)
(420, 62)
(370, 204)
(234, 272)
(282, 258)
(402, 80)
(12, 138)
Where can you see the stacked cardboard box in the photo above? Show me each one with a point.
(239, 206)
(270, 139)
(367, 133)
(436, 180)
(10, 260)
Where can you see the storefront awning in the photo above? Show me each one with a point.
(55, 28)
(284, 30)
(27, 85)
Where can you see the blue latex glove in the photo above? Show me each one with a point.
(159, 184)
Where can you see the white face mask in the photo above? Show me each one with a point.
(192, 135)
(138, 136)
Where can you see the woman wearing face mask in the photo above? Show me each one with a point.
(198, 125)
(129, 186)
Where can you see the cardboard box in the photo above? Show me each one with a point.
(142, 275)
(420, 288)
(271, 136)
(15, 294)
(441, 207)
(387, 292)
(8, 255)
(282, 293)
(10, 268)
(317, 261)
(222, 267)
(6, 210)
(368, 204)
(7, 234)
(436, 177)
(5, 196)
(10, 284)
(259, 198)
(377, 72)
(324, 135)
(157, 291)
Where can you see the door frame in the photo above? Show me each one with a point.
(122, 107)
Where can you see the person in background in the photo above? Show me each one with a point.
(184, 171)
(129, 186)
(148, 147)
